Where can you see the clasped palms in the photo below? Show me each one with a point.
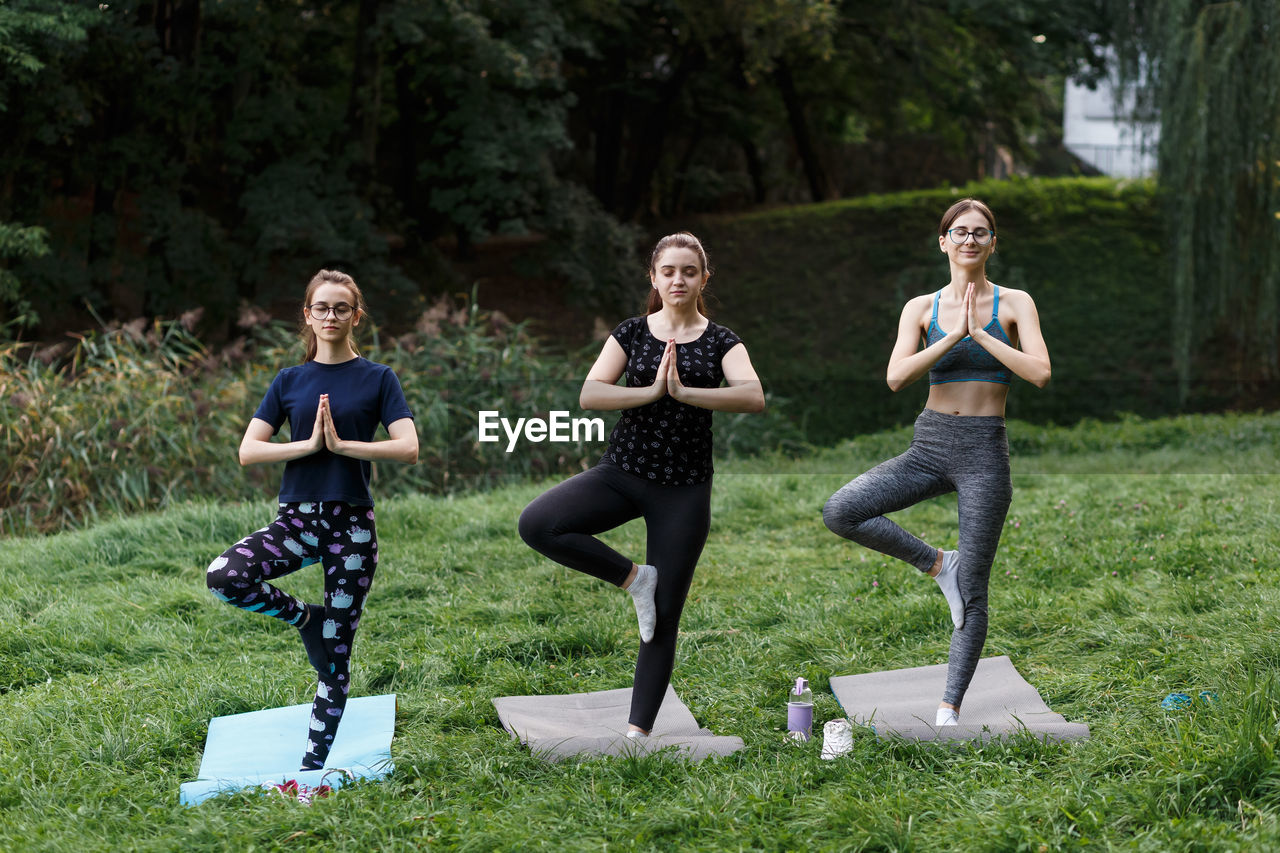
(323, 432)
(668, 378)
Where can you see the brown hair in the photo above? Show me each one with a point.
(965, 205)
(329, 277)
(681, 240)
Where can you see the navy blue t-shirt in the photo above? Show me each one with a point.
(361, 394)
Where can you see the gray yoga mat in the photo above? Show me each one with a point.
(999, 702)
(584, 724)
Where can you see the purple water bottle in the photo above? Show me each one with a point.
(800, 711)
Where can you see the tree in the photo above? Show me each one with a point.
(1211, 72)
(29, 32)
(192, 152)
(766, 38)
(480, 108)
(961, 77)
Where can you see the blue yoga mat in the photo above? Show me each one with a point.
(247, 750)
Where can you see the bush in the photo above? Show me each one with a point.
(142, 416)
(816, 292)
(587, 247)
(124, 420)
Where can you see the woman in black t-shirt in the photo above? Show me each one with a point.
(658, 463)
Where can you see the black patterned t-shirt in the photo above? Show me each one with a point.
(668, 442)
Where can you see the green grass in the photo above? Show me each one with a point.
(1138, 559)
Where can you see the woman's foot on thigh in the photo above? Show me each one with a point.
(312, 631)
(948, 578)
(642, 590)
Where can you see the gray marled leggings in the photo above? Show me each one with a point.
(949, 453)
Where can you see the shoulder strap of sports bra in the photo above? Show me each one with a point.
(995, 303)
(936, 297)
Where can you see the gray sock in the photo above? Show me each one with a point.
(642, 589)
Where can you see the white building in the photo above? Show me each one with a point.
(1101, 132)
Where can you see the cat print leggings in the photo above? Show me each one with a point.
(340, 537)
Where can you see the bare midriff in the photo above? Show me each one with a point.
(968, 399)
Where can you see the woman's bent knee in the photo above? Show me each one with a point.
(215, 577)
(837, 517)
(535, 530)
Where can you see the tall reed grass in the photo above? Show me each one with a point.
(142, 416)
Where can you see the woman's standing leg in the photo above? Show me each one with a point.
(677, 520)
(981, 470)
(349, 546)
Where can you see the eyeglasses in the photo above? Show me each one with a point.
(960, 236)
(319, 310)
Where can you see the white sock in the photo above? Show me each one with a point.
(948, 580)
(947, 717)
(642, 589)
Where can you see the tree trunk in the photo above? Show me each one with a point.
(177, 25)
(755, 168)
(406, 134)
(608, 133)
(819, 186)
(609, 153)
(364, 103)
(676, 205)
(744, 135)
(102, 246)
(113, 122)
(652, 132)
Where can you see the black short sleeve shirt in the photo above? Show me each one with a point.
(668, 442)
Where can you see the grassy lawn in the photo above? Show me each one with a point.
(1139, 558)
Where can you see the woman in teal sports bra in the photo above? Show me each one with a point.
(976, 337)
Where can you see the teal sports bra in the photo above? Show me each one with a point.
(966, 361)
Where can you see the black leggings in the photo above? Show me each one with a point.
(562, 523)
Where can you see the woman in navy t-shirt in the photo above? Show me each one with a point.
(658, 463)
(333, 402)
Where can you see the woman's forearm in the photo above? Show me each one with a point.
(742, 397)
(386, 450)
(1034, 369)
(256, 452)
(903, 371)
(600, 395)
